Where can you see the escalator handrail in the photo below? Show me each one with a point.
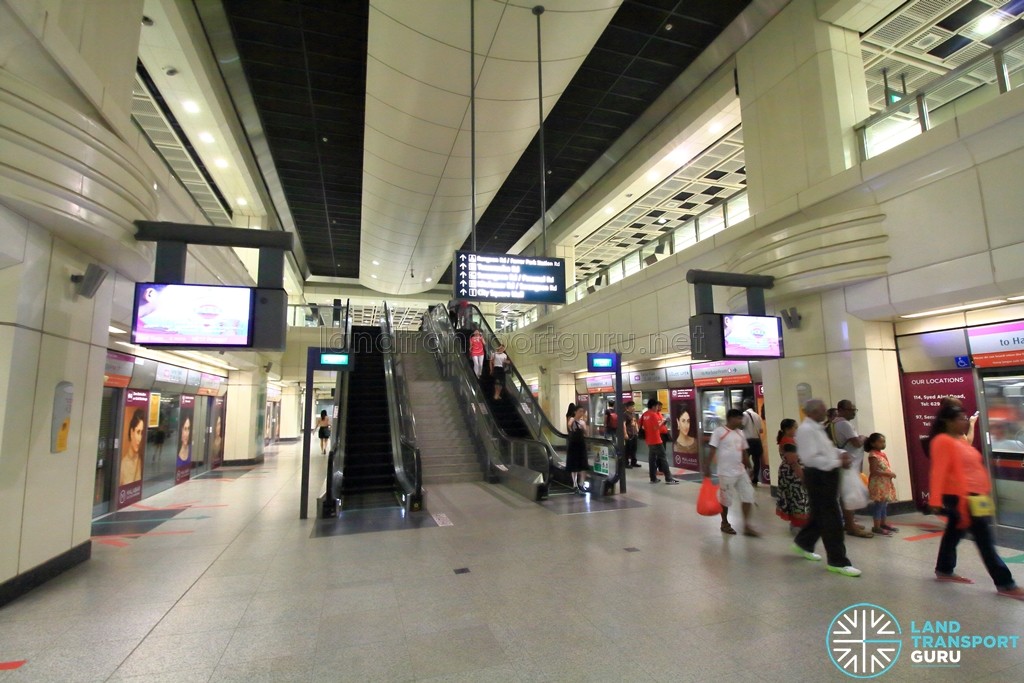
(336, 455)
(538, 417)
(441, 327)
(403, 422)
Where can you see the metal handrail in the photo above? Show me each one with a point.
(917, 98)
(405, 453)
(530, 410)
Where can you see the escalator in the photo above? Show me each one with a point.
(368, 472)
(520, 416)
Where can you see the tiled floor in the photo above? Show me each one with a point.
(236, 587)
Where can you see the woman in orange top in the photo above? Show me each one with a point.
(957, 472)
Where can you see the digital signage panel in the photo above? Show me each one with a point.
(509, 278)
(192, 315)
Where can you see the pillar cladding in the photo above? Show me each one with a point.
(246, 405)
(801, 86)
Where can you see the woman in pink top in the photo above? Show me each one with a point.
(957, 473)
(476, 351)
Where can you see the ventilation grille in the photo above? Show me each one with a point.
(161, 136)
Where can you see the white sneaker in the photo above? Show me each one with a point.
(845, 571)
(813, 557)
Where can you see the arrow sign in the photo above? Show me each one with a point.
(462, 291)
(462, 257)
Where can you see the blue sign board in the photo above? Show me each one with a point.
(601, 362)
(509, 278)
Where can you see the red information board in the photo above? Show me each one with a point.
(922, 393)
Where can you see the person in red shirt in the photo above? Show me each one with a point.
(957, 474)
(477, 351)
(655, 431)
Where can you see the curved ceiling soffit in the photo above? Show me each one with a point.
(416, 200)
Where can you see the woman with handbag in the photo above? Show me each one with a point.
(961, 489)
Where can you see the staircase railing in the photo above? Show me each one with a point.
(404, 449)
(522, 464)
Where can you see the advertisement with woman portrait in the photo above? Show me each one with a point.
(186, 422)
(684, 429)
(219, 418)
(133, 447)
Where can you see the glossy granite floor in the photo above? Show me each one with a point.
(236, 587)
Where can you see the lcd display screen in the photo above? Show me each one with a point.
(752, 336)
(192, 315)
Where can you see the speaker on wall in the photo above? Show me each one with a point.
(89, 283)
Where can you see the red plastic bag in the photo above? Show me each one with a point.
(707, 499)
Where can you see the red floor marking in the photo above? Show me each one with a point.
(8, 666)
(177, 506)
(106, 540)
(154, 533)
(921, 537)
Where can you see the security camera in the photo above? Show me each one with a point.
(89, 283)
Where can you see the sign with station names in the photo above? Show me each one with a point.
(509, 278)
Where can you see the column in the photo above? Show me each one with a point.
(801, 85)
(243, 431)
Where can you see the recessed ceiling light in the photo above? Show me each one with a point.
(241, 201)
(374, 276)
(376, 262)
(155, 187)
(115, 330)
(190, 106)
(220, 163)
(653, 176)
(715, 127)
(206, 137)
(609, 210)
(678, 155)
(146, 21)
(661, 221)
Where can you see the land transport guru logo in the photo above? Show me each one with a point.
(866, 640)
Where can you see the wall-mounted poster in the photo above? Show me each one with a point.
(133, 447)
(183, 462)
(682, 404)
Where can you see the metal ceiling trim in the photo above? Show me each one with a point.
(723, 48)
(219, 37)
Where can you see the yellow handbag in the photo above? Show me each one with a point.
(981, 505)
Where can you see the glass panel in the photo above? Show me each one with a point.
(737, 209)
(1004, 418)
(891, 131)
(710, 223)
(684, 236)
(631, 264)
(615, 272)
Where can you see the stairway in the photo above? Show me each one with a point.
(447, 451)
(369, 466)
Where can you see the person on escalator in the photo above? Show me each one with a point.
(653, 427)
(576, 463)
(499, 361)
(477, 351)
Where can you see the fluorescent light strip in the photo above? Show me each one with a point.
(1015, 298)
(954, 309)
(116, 330)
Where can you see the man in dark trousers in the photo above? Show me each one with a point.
(652, 422)
(752, 433)
(823, 463)
(630, 431)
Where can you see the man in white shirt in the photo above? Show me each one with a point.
(752, 433)
(823, 463)
(729, 447)
(845, 436)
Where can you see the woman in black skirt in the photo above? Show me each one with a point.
(576, 463)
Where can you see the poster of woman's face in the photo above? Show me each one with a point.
(133, 449)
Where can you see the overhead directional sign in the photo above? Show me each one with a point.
(504, 277)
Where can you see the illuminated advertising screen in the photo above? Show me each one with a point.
(192, 315)
(752, 336)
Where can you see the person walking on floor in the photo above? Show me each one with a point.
(729, 448)
(960, 488)
(652, 423)
(822, 463)
(752, 427)
(845, 436)
(630, 431)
